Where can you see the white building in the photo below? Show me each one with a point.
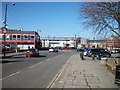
(58, 41)
(63, 41)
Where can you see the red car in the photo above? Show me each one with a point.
(32, 52)
(6, 48)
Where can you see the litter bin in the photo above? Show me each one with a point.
(117, 74)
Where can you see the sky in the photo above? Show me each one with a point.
(54, 19)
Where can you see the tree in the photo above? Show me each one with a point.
(102, 17)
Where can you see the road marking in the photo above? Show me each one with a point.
(57, 76)
(10, 75)
(35, 65)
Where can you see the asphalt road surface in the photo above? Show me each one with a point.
(32, 72)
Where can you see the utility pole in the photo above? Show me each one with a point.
(5, 26)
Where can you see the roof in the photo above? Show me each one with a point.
(14, 31)
(21, 32)
(58, 38)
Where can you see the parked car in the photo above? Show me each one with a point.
(52, 49)
(6, 48)
(115, 51)
(66, 48)
(32, 52)
(98, 52)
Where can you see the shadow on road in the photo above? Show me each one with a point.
(13, 57)
(38, 56)
(6, 61)
(41, 56)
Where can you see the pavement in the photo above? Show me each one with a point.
(86, 73)
(77, 73)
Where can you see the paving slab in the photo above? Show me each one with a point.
(86, 74)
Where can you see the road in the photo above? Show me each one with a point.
(33, 72)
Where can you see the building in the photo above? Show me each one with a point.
(96, 43)
(72, 42)
(113, 42)
(20, 39)
(58, 41)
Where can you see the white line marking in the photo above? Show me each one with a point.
(34, 65)
(57, 76)
(10, 75)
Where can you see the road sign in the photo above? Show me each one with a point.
(4, 30)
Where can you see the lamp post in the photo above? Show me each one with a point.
(6, 9)
(4, 36)
(4, 29)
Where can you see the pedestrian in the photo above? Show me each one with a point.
(81, 54)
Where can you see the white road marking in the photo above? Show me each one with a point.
(57, 76)
(34, 65)
(10, 75)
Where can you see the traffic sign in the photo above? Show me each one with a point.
(4, 30)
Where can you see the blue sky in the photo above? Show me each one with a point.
(58, 19)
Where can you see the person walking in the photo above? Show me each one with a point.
(81, 54)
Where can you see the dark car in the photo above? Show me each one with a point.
(32, 52)
(98, 52)
(6, 48)
(115, 51)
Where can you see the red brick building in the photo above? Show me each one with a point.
(113, 42)
(21, 39)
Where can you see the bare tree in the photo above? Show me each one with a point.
(102, 17)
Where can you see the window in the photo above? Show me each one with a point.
(18, 37)
(25, 37)
(14, 37)
(31, 37)
(7, 37)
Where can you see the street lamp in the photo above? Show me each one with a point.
(5, 20)
(4, 32)
(4, 29)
